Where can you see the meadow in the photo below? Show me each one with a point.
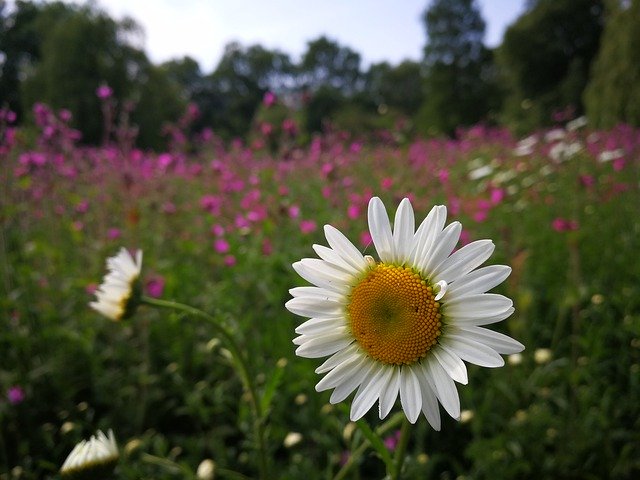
(220, 226)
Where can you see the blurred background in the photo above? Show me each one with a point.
(433, 69)
(219, 137)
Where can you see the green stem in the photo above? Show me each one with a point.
(369, 441)
(401, 449)
(241, 365)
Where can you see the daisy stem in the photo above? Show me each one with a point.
(241, 366)
(401, 449)
(372, 439)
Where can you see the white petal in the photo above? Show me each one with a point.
(429, 401)
(344, 247)
(341, 373)
(380, 229)
(471, 351)
(403, 228)
(317, 292)
(452, 364)
(440, 288)
(499, 342)
(480, 305)
(480, 320)
(410, 393)
(370, 390)
(338, 358)
(443, 246)
(323, 345)
(315, 326)
(464, 260)
(328, 255)
(389, 395)
(352, 381)
(478, 281)
(445, 388)
(427, 232)
(322, 274)
(314, 307)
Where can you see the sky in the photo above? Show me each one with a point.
(379, 30)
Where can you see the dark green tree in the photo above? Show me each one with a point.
(20, 42)
(328, 64)
(235, 89)
(545, 59)
(399, 87)
(80, 48)
(459, 73)
(613, 93)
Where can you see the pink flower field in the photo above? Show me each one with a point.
(221, 224)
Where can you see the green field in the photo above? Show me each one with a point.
(220, 228)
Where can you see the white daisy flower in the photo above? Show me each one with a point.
(95, 458)
(404, 324)
(119, 293)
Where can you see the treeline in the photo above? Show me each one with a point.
(559, 60)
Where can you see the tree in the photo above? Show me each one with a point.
(459, 85)
(399, 87)
(238, 84)
(20, 42)
(327, 64)
(613, 93)
(545, 59)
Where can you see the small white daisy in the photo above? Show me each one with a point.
(118, 295)
(403, 324)
(94, 458)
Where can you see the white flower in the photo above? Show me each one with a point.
(480, 172)
(118, 295)
(404, 324)
(94, 458)
(542, 355)
(608, 155)
(576, 124)
(526, 146)
(292, 439)
(206, 470)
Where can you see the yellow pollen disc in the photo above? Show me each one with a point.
(393, 314)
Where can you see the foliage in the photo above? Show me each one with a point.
(458, 80)
(613, 92)
(545, 59)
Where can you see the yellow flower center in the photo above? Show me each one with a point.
(394, 315)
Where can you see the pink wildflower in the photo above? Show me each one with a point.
(155, 287)
(267, 247)
(217, 230)
(497, 195)
(113, 233)
(269, 99)
(353, 211)
(294, 211)
(229, 260)
(104, 91)
(564, 225)
(220, 245)
(391, 442)
(307, 226)
(168, 207)
(365, 238)
(386, 183)
(15, 395)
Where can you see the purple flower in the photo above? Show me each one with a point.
(15, 395)
(104, 91)
(155, 287)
